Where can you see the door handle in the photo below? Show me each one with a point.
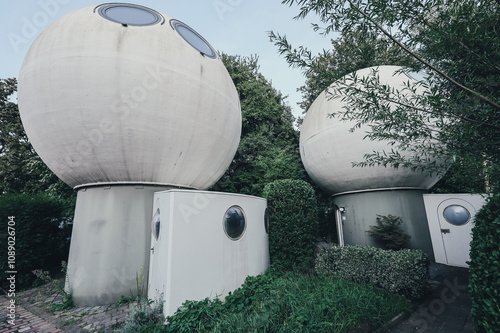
(445, 231)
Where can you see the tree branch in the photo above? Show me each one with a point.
(424, 62)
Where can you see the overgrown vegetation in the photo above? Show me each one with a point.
(484, 267)
(145, 317)
(404, 272)
(42, 228)
(293, 223)
(288, 303)
(389, 232)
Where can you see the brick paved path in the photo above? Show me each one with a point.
(24, 321)
(35, 317)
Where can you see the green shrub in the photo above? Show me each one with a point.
(484, 267)
(404, 272)
(292, 209)
(389, 233)
(41, 232)
(290, 303)
(145, 317)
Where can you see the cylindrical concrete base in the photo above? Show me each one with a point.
(110, 243)
(361, 209)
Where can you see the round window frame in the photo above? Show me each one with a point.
(154, 221)
(244, 227)
(455, 224)
(101, 9)
(176, 23)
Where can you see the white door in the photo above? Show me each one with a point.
(456, 217)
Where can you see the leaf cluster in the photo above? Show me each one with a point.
(293, 226)
(404, 272)
(389, 232)
(484, 267)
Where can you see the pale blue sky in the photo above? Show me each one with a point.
(231, 26)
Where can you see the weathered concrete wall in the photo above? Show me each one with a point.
(110, 242)
(361, 211)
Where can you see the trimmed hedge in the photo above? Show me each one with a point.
(404, 272)
(293, 223)
(41, 234)
(484, 267)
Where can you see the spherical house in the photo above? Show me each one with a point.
(328, 147)
(123, 93)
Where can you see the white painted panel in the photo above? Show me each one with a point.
(194, 258)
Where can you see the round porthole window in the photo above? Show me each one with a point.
(129, 14)
(456, 215)
(234, 222)
(266, 221)
(155, 226)
(193, 38)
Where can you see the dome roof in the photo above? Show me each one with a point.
(328, 147)
(122, 93)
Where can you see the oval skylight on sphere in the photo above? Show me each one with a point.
(234, 222)
(129, 14)
(193, 38)
(456, 215)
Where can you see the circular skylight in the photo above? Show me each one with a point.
(234, 222)
(129, 14)
(193, 38)
(456, 214)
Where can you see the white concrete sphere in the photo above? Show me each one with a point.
(105, 102)
(328, 148)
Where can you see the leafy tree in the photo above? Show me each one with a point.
(269, 143)
(21, 169)
(455, 43)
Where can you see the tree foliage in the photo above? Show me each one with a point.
(484, 267)
(455, 44)
(268, 148)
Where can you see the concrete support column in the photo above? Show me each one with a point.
(110, 242)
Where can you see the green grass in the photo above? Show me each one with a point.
(290, 303)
